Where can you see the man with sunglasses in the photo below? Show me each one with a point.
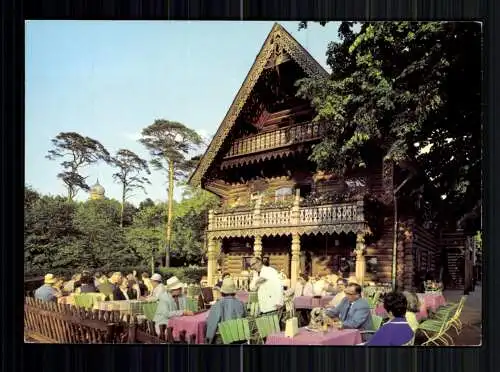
(353, 311)
(267, 282)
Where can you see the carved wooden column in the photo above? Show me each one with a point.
(212, 263)
(295, 261)
(295, 212)
(210, 219)
(257, 246)
(360, 258)
(256, 212)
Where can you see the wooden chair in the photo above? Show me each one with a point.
(235, 330)
(207, 296)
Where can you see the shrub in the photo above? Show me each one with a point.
(185, 274)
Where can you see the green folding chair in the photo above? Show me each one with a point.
(252, 297)
(435, 329)
(266, 325)
(235, 330)
(192, 305)
(253, 310)
(84, 300)
(376, 323)
(149, 310)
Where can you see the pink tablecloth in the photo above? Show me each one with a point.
(308, 302)
(422, 314)
(345, 337)
(432, 301)
(242, 296)
(193, 325)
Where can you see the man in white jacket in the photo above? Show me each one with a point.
(267, 282)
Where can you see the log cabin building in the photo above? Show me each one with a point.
(276, 205)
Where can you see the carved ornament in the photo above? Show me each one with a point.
(308, 64)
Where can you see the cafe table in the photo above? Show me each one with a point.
(333, 337)
(242, 296)
(422, 313)
(432, 301)
(192, 324)
(309, 302)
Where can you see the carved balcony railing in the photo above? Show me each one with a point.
(261, 217)
(274, 139)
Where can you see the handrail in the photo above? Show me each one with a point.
(296, 133)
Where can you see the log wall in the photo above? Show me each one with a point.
(422, 254)
(454, 245)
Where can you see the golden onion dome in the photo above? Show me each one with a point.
(97, 189)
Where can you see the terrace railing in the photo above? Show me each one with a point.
(297, 133)
(295, 215)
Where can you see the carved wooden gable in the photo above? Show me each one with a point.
(278, 46)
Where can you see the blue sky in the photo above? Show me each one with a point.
(109, 79)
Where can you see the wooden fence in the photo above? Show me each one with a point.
(49, 322)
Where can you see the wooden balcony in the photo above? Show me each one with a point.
(298, 133)
(302, 217)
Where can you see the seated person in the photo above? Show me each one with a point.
(120, 289)
(204, 282)
(397, 331)
(87, 284)
(171, 303)
(353, 311)
(47, 292)
(332, 279)
(146, 282)
(158, 287)
(320, 286)
(226, 308)
(105, 287)
(224, 276)
(303, 287)
(335, 301)
(412, 309)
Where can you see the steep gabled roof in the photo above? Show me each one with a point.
(301, 56)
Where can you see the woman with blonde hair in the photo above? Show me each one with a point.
(413, 307)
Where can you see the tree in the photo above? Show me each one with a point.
(30, 197)
(190, 223)
(79, 152)
(169, 144)
(50, 238)
(129, 168)
(102, 238)
(411, 90)
(148, 202)
(145, 236)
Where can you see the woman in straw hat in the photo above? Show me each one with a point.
(47, 292)
(171, 303)
(226, 308)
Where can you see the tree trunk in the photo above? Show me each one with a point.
(70, 193)
(123, 206)
(169, 214)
